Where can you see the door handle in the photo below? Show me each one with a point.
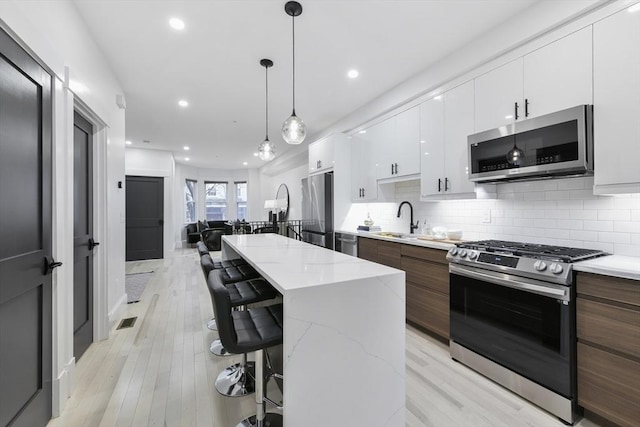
(50, 264)
(93, 244)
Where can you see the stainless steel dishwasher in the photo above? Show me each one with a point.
(347, 244)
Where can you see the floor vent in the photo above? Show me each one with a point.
(127, 323)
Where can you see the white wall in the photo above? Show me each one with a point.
(156, 163)
(556, 211)
(293, 180)
(54, 34)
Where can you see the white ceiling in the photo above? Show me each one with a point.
(214, 63)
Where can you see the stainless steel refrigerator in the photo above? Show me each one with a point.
(317, 210)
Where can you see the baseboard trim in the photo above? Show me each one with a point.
(62, 387)
(116, 313)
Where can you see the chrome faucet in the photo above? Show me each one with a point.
(412, 226)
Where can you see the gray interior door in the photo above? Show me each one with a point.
(25, 238)
(145, 217)
(83, 243)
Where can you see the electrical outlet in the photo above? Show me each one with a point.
(486, 216)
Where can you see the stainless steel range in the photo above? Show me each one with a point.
(513, 317)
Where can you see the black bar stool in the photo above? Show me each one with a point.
(254, 329)
(237, 380)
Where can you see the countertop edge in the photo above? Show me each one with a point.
(624, 267)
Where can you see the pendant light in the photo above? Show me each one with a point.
(293, 129)
(266, 150)
(515, 155)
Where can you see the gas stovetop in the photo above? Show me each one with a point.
(542, 262)
(533, 250)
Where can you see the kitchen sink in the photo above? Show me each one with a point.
(394, 235)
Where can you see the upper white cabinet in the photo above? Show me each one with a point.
(616, 85)
(446, 123)
(321, 155)
(499, 97)
(364, 186)
(559, 75)
(398, 145)
(552, 78)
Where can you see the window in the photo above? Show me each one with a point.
(215, 200)
(190, 200)
(241, 199)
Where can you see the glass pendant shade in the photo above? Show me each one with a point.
(267, 150)
(515, 155)
(294, 130)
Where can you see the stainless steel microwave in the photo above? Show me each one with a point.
(555, 144)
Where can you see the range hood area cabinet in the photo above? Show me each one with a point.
(445, 123)
(552, 78)
(616, 86)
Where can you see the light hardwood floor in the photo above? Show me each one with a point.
(160, 372)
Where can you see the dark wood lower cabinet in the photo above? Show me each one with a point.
(608, 330)
(427, 280)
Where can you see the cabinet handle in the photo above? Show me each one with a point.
(319, 164)
(446, 184)
(439, 185)
(396, 168)
(363, 192)
(526, 108)
(392, 169)
(516, 111)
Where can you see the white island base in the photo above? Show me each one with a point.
(344, 332)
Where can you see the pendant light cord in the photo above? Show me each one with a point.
(266, 103)
(293, 30)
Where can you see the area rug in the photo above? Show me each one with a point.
(135, 284)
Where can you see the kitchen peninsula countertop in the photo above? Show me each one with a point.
(343, 327)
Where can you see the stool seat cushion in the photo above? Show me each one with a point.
(238, 273)
(250, 291)
(218, 264)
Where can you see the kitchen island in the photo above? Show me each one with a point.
(344, 331)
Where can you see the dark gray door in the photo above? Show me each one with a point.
(25, 238)
(145, 217)
(83, 243)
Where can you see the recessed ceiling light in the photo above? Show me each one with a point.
(183, 103)
(176, 24)
(187, 159)
(128, 142)
(352, 74)
(245, 163)
(634, 8)
(363, 131)
(509, 117)
(422, 141)
(186, 148)
(255, 154)
(437, 98)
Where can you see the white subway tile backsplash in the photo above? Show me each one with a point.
(598, 225)
(610, 237)
(582, 214)
(557, 211)
(626, 227)
(614, 215)
(591, 236)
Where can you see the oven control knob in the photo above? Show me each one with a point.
(454, 251)
(473, 255)
(540, 265)
(462, 253)
(555, 268)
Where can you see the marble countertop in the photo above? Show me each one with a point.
(290, 264)
(434, 244)
(626, 267)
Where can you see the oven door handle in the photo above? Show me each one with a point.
(510, 281)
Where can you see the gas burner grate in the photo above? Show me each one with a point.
(534, 250)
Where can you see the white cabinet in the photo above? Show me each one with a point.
(445, 125)
(559, 75)
(616, 110)
(398, 145)
(321, 155)
(364, 186)
(549, 79)
(499, 97)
